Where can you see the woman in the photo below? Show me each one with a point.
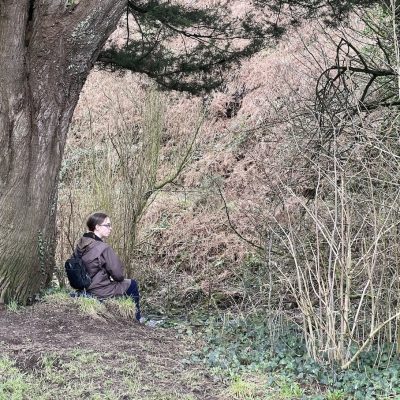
(103, 265)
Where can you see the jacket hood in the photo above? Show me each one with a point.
(87, 243)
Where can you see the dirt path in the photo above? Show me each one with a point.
(157, 355)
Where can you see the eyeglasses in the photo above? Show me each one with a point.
(106, 225)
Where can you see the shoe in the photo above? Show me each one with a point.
(152, 323)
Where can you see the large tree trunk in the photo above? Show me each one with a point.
(47, 48)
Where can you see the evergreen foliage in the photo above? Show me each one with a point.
(277, 350)
(184, 48)
(188, 49)
(330, 12)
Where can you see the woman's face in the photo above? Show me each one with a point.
(103, 230)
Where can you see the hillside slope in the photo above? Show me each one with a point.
(203, 237)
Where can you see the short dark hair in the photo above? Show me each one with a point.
(95, 219)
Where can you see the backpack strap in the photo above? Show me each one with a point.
(77, 253)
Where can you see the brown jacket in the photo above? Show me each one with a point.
(104, 267)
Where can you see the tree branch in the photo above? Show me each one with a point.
(231, 225)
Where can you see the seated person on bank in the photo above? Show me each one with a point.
(103, 265)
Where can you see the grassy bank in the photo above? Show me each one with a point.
(67, 348)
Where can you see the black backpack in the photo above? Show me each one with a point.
(76, 272)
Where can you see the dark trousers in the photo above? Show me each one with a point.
(133, 291)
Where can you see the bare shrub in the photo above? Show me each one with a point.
(343, 248)
(117, 171)
(334, 233)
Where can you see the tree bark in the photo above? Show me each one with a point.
(47, 48)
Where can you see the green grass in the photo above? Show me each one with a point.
(13, 306)
(57, 297)
(91, 307)
(75, 374)
(87, 374)
(13, 383)
(240, 388)
(287, 388)
(121, 307)
(335, 395)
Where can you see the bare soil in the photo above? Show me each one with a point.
(28, 335)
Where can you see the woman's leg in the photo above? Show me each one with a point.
(133, 291)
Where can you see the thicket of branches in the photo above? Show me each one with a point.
(335, 242)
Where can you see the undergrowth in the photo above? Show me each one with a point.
(264, 359)
(255, 356)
